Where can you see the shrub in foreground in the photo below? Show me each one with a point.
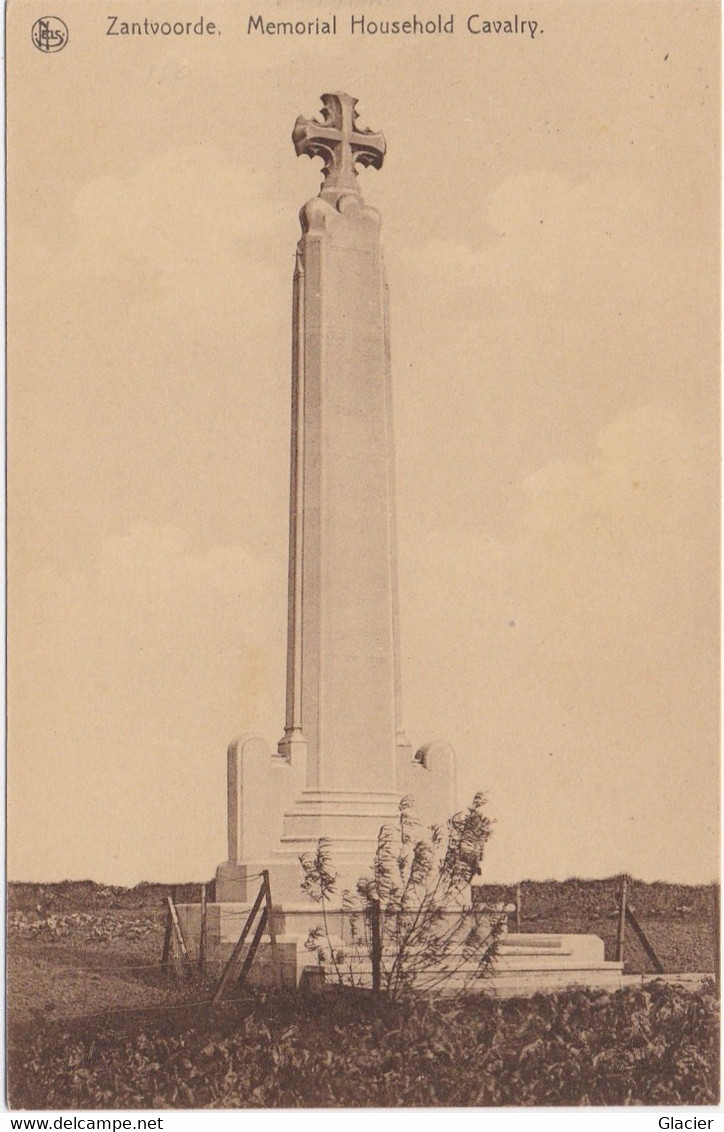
(419, 884)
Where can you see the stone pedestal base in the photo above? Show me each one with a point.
(527, 963)
(273, 819)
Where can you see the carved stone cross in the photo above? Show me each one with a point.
(339, 143)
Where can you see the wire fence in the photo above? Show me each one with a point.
(612, 899)
(151, 1008)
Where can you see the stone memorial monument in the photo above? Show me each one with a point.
(344, 762)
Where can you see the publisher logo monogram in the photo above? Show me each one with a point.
(49, 34)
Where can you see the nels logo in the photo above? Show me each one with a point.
(49, 34)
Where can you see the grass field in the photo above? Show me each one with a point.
(94, 1022)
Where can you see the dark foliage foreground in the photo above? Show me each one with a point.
(656, 1045)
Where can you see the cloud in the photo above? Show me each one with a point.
(576, 652)
(540, 233)
(147, 251)
(147, 607)
(128, 676)
(644, 471)
(174, 209)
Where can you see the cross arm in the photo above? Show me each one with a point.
(339, 142)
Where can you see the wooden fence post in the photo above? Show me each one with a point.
(275, 955)
(376, 925)
(181, 961)
(166, 953)
(202, 936)
(518, 888)
(236, 953)
(621, 935)
(716, 931)
(644, 942)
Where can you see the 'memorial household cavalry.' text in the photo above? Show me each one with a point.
(441, 24)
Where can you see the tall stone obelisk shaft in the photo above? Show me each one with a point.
(342, 667)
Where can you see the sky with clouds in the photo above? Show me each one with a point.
(551, 232)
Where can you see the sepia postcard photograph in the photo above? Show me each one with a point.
(363, 557)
